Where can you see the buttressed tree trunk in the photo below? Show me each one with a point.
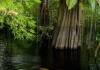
(67, 32)
(66, 39)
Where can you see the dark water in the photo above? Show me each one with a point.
(32, 62)
(2, 49)
(26, 62)
(17, 61)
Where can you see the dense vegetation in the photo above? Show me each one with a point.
(19, 17)
(70, 27)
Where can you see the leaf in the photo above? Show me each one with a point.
(82, 5)
(98, 1)
(71, 3)
(92, 4)
(37, 1)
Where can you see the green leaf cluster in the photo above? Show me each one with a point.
(71, 3)
(91, 3)
(19, 17)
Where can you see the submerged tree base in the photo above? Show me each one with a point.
(66, 59)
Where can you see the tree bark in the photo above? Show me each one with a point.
(67, 33)
(66, 40)
(44, 41)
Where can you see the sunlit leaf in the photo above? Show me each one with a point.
(92, 4)
(71, 3)
(37, 1)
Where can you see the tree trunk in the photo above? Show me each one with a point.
(67, 33)
(66, 39)
(44, 41)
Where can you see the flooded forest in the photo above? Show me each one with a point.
(49, 34)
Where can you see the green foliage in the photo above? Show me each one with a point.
(98, 1)
(37, 1)
(92, 10)
(71, 3)
(95, 18)
(19, 17)
(92, 4)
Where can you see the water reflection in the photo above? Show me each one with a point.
(2, 49)
(26, 62)
(17, 61)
